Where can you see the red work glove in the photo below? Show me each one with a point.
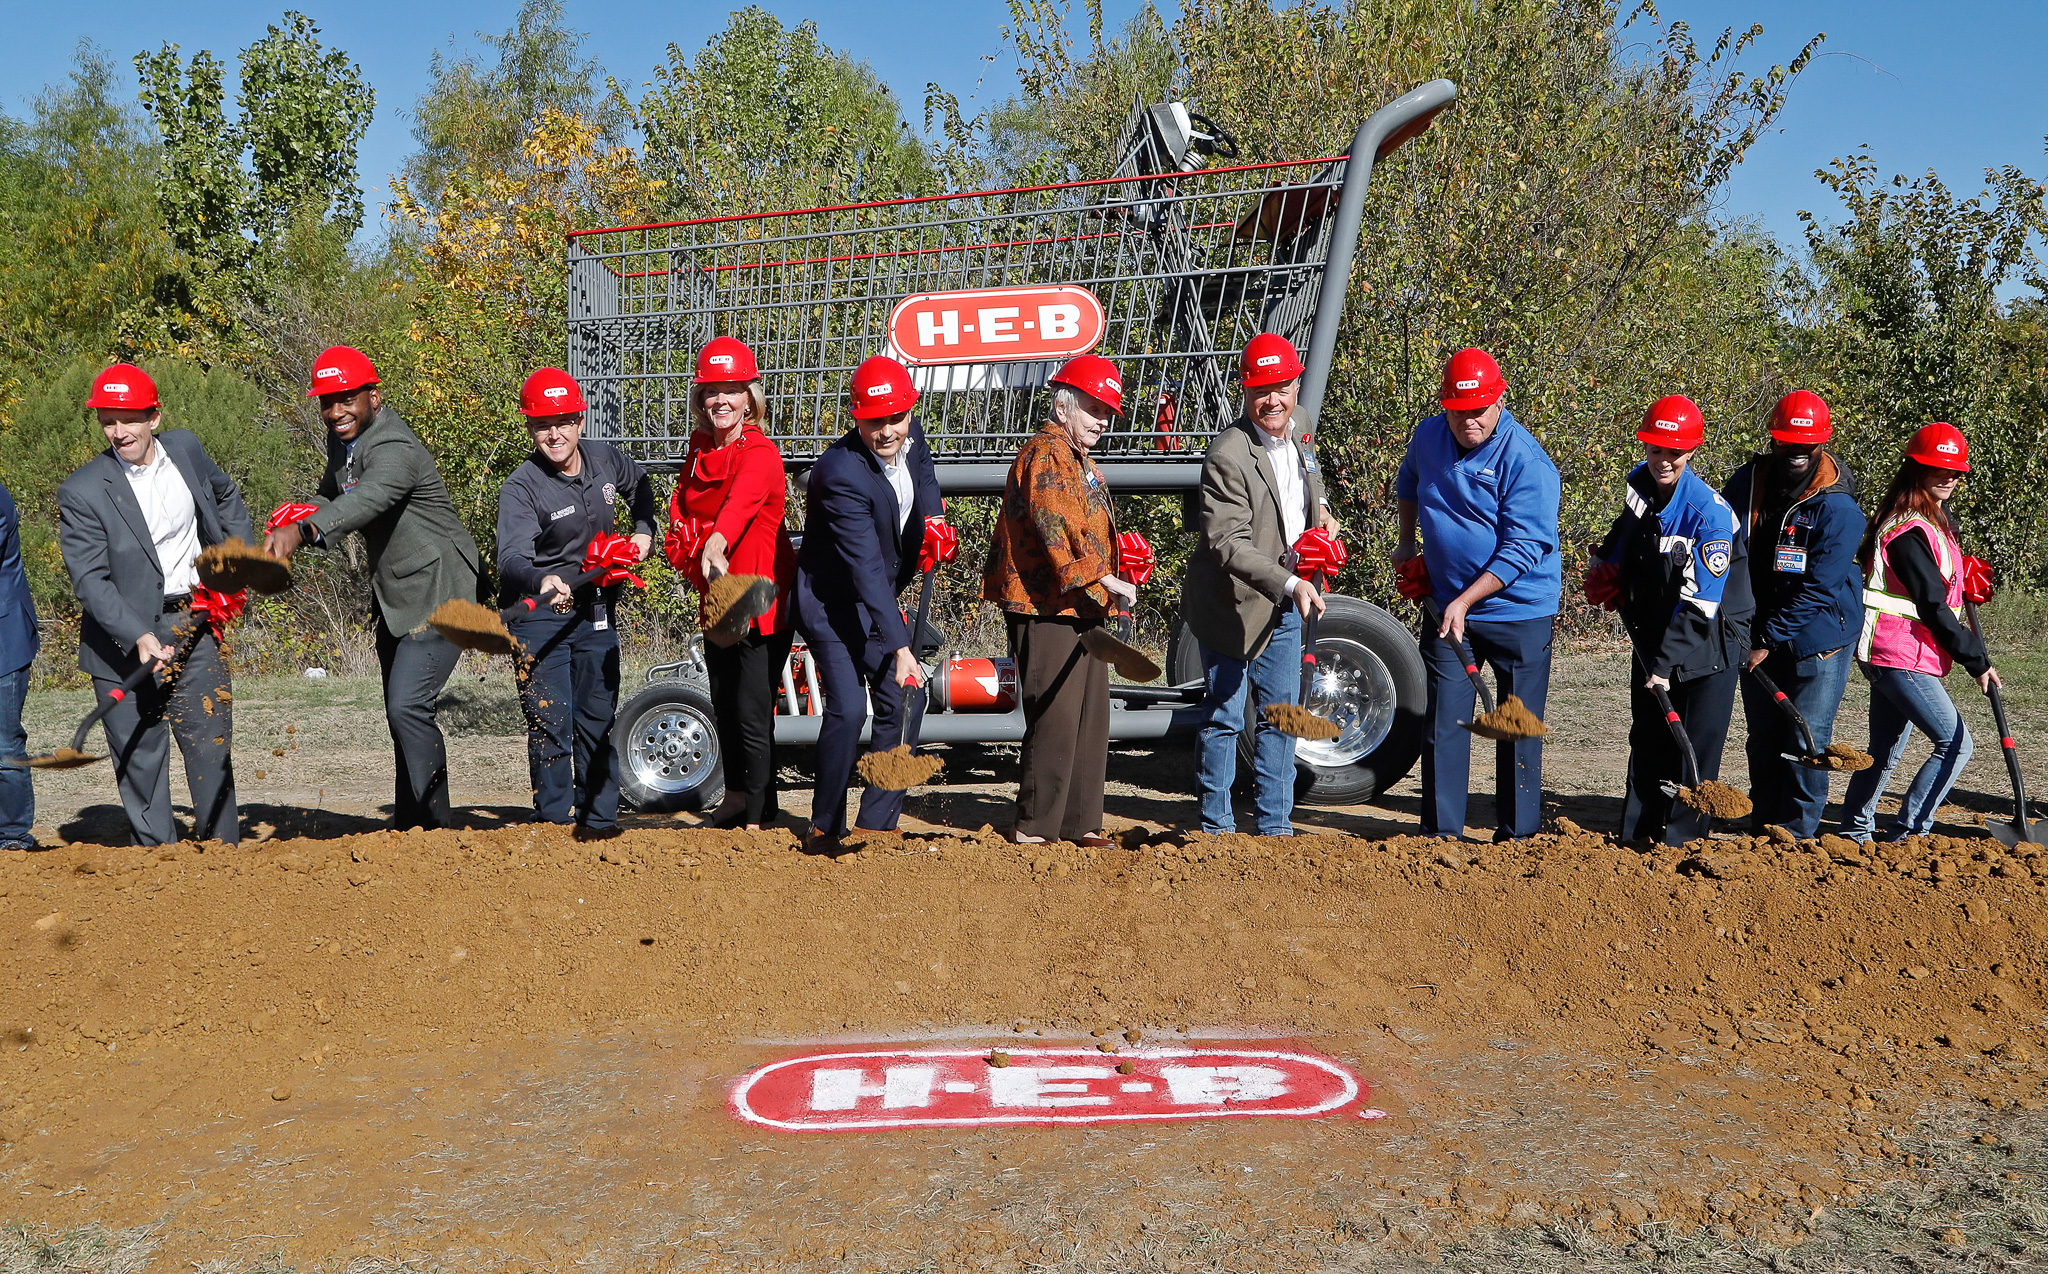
(1411, 579)
(218, 609)
(1134, 559)
(1318, 552)
(288, 513)
(616, 552)
(1977, 580)
(1603, 585)
(941, 543)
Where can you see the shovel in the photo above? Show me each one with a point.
(1488, 724)
(900, 768)
(75, 756)
(1117, 651)
(1814, 756)
(2020, 831)
(1296, 718)
(479, 628)
(1690, 768)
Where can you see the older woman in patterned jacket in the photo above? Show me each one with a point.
(1052, 568)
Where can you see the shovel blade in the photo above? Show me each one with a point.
(2016, 833)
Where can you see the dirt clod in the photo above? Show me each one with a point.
(1716, 799)
(232, 565)
(1512, 720)
(998, 1059)
(1292, 718)
(473, 627)
(897, 768)
(1843, 756)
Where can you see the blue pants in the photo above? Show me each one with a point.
(1787, 793)
(571, 695)
(1518, 652)
(853, 677)
(1273, 677)
(1899, 701)
(1704, 706)
(17, 786)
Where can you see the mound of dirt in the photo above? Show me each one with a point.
(473, 627)
(1842, 756)
(501, 1046)
(1511, 721)
(1292, 718)
(897, 768)
(1716, 800)
(231, 566)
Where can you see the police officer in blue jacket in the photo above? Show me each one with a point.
(1797, 504)
(1484, 495)
(1673, 561)
(865, 503)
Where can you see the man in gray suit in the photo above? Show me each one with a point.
(130, 523)
(382, 481)
(1260, 490)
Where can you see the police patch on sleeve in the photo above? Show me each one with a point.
(1715, 554)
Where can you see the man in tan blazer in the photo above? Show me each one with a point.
(1261, 488)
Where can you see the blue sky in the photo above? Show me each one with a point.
(1922, 84)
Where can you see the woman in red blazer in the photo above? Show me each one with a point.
(726, 516)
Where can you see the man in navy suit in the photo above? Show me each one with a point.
(864, 511)
(131, 523)
(19, 639)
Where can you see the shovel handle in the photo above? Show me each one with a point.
(1678, 735)
(2005, 743)
(1435, 619)
(528, 605)
(1308, 645)
(1770, 688)
(134, 683)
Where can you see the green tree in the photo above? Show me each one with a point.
(768, 117)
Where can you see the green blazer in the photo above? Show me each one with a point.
(387, 486)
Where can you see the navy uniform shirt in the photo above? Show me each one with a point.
(546, 520)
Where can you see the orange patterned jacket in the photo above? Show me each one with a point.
(1056, 535)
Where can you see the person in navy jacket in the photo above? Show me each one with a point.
(1673, 564)
(1797, 505)
(1484, 495)
(19, 641)
(864, 509)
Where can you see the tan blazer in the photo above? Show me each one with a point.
(1237, 579)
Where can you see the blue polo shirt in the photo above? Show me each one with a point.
(1492, 510)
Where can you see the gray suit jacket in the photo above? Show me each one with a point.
(388, 488)
(112, 558)
(1237, 578)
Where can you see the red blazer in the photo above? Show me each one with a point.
(736, 491)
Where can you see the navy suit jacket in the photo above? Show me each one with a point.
(19, 637)
(854, 562)
(111, 557)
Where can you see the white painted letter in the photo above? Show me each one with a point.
(930, 328)
(995, 325)
(1033, 1085)
(1215, 1085)
(1059, 322)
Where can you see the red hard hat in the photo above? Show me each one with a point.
(340, 369)
(1801, 418)
(1269, 359)
(881, 387)
(1472, 381)
(551, 392)
(726, 358)
(123, 385)
(1095, 376)
(1941, 445)
(1673, 421)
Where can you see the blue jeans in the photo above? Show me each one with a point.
(1518, 651)
(1899, 701)
(17, 788)
(1273, 677)
(1787, 793)
(570, 696)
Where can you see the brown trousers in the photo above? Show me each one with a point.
(1066, 727)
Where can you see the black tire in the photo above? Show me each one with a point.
(1382, 690)
(667, 741)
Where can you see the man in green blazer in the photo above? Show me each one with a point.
(382, 481)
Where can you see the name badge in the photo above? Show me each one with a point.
(1791, 560)
(600, 617)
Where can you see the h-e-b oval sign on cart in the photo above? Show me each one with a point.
(998, 325)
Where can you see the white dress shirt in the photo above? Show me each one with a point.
(1287, 484)
(173, 518)
(898, 474)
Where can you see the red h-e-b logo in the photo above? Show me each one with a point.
(1000, 325)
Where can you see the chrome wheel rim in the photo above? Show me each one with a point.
(1354, 689)
(671, 749)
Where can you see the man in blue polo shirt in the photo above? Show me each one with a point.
(1484, 495)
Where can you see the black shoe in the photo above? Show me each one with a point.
(583, 832)
(728, 813)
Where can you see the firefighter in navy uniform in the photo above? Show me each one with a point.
(550, 511)
(1797, 504)
(1673, 564)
